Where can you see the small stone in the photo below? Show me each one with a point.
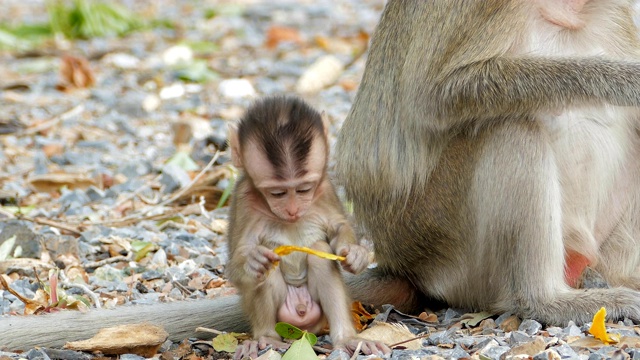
(554, 330)
(172, 92)
(634, 353)
(108, 273)
(151, 103)
(159, 260)
(566, 351)
(27, 244)
(530, 327)
(136, 168)
(509, 324)
(95, 194)
(572, 330)
(122, 61)
(74, 198)
(338, 355)
(451, 315)
(131, 104)
(152, 275)
(495, 352)
(173, 177)
(24, 288)
(208, 261)
(236, 88)
(620, 355)
(59, 245)
(596, 356)
(457, 353)
(519, 337)
(530, 348)
(177, 55)
(549, 354)
(176, 294)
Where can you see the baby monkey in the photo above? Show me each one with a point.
(284, 197)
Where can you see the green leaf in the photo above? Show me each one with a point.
(6, 247)
(197, 71)
(202, 47)
(88, 18)
(23, 210)
(227, 191)
(225, 342)
(141, 248)
(311, 338)
(288, 331)
(300, 350)
(184, 161)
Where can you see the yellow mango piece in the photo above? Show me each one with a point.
(599, 331)
(288, 249)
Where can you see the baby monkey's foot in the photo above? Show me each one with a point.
(250, 348)
(368, 347)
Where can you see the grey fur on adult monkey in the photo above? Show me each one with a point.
(487, 140)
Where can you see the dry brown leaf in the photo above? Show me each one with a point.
(50, 150)
(53, 182)
(278, 34)
(361, 317)
(391, 334)
(30, 306)
(349, 84)
(140, 339)
(75, 73)
(428, 317)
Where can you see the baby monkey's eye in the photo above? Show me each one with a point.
(277, 194)
(302, 191)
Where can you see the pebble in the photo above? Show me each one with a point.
(236, 88)
(177, 55)
(531, 327)
(122, 61)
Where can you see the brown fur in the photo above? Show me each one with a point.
(485, 139)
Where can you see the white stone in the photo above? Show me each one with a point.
(176, 55)
(172, 91)
(236, 88)
(122, 61)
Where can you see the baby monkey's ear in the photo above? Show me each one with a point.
(234, 145)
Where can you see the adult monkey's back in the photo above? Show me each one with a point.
(489, 138)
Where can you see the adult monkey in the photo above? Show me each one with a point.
(487, 140)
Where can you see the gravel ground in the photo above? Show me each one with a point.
(104, 182)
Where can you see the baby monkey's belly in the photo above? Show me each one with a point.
(300, 310)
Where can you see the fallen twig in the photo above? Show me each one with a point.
(409, 340)
(111, 260)
(183, 190)
(142, 215)
(54, 120)
(43, 221)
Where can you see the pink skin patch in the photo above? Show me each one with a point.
(574, 265)
(299, 309)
